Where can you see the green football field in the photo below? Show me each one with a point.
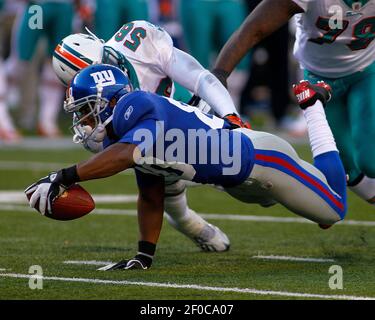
(274, 254)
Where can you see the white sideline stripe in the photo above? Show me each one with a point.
(19, 197)
(213, 216)
(100, 198)
(193, 287)
(89, 262)
(31, 165)
(13, 207)
(271, 257)
(287, 258)
(35, 165)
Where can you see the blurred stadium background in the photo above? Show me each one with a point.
(260, 86)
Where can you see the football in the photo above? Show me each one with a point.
(74, 203)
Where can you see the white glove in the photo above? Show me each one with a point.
(46, 190)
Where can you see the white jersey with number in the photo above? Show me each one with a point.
(335, 38)
(148, 48)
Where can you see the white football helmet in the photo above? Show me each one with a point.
(79, 51)
(74, 53)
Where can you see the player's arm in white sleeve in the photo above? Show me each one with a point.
(188, 72)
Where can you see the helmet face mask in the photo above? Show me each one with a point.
(113, 57)
(88, 100)
(86, 116)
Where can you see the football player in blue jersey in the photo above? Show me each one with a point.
(163, 139)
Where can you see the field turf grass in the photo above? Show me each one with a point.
(27, 239)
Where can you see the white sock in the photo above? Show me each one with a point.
(176, 206)
(181, 217)
(320, 134)
(365, 189)
(50, 99)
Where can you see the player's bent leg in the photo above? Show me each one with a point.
(339, 122)
(205, 235)
(313, 99)
(361, 106)
(315, 192)
(279, 174)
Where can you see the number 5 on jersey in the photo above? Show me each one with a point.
(135, 34)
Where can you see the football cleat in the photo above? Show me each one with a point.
(212, 239)
(207, 237)
(307, 94)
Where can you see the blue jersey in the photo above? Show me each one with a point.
(179, 141)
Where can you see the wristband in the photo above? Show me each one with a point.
(68, 176)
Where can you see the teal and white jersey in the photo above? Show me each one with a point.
(335, 38)
(148, 48)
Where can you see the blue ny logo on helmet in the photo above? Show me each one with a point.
(88, 98)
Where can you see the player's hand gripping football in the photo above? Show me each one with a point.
(44, 192)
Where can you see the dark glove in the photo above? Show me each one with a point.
(138, 262)
(142, 261)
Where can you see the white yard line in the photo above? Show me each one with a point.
(19, 197)
(209, 216)
(31, 165)
(115, 212)
(37, 165)
(102, 198)
(271, 257)
(38, 143)
(288, 258)
(193, 287)
(88, 262)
